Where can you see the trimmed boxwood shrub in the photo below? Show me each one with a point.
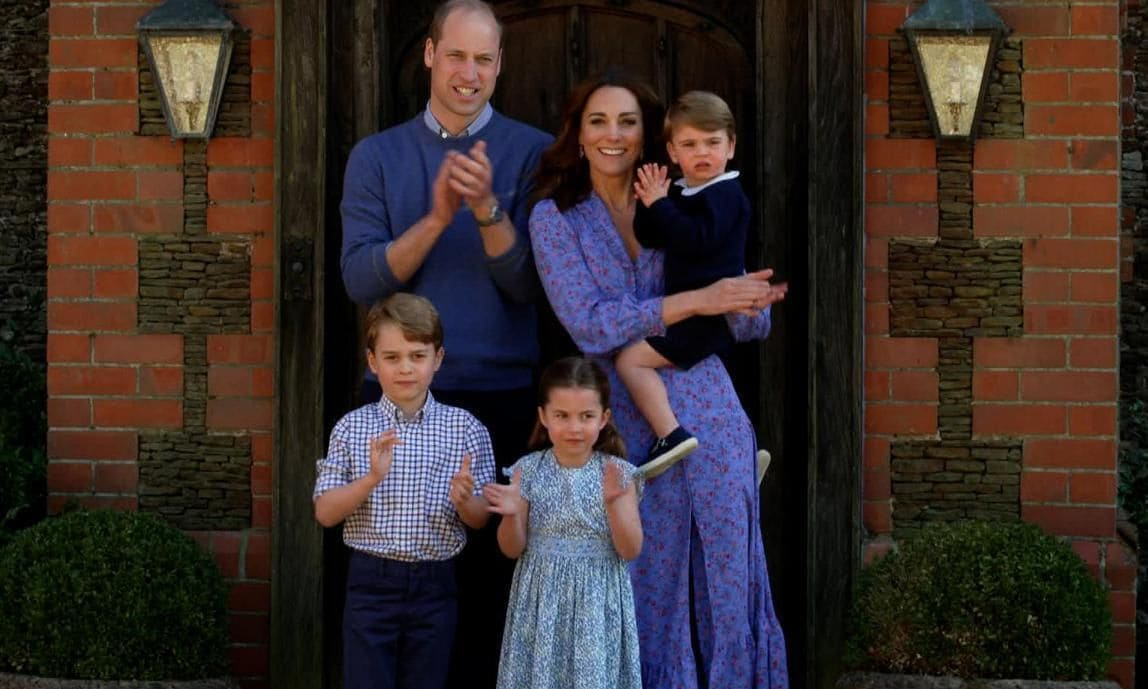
(981, 599)
(111, 595)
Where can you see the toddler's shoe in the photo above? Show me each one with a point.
(668, 451)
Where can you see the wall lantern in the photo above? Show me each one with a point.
(953, 44)
(188, 45)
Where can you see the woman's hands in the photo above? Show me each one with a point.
(747, 294)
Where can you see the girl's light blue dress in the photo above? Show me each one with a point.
(570, 623)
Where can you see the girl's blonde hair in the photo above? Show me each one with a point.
(578, 372)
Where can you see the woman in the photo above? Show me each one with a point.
(704, 612)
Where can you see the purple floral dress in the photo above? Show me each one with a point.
(700, 518)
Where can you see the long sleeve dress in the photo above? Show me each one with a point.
(702, 537)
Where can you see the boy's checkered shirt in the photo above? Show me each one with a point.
(409, 515)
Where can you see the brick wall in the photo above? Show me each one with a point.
(159, 316)
(991, 296)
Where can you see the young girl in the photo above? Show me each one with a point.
(570, 517)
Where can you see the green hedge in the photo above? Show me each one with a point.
(981, 599)
(111, 595)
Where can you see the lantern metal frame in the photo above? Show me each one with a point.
(188, 19)
(954, 19)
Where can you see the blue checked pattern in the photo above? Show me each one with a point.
(408, 516)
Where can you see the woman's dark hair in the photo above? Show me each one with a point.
(563, 175)
(578, 372)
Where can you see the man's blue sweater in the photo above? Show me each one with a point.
(486, 304)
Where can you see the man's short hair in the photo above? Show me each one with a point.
(415, 316)
(701, 110)
(445, 9)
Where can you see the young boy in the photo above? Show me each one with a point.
(701, 222)
(406, 474)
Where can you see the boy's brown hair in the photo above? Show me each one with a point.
(415, 316)
(701, 110)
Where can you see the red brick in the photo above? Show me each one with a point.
(68, 348)
(110, 445)
(1027, 352)
(123, 503)
(914, 187)
(910, 419)
(1072, 120)
(877, 89)
(1045, 286)
(262, 317)
(245, 218)
(1123, 605)
(1070, 253)
(262, 119)
(999, 386)
(69, 412)
(230, 186)
(164, 381)
(68, 217)
(230, 381)
(1123, 641)
(65, 86)
(249, 660)
(1020, 221)
(119, 20)
(1094, 87)
(91, 251)
(139, 349)
(1089, 154)
(1095, 20)
(1093, 352)
(877, 286)
(233, 152)
(262, 87)
(1044, 87)
(900, 154)
(1120, 567)
(239, 349)
(995, 188)
(1092, 420)
(88, 185)
(263, 252)
(1027, 20)
(239, 414)
(885, 19)
(160, 185)
(1044, 486)
(1090, 221)
(876, 120)
(1013, 419)
(1093, 489)
(115, 284)
(101, 52)
(70, 477)
(262, 284)
(901, 221)
(258, 19)
(262, 54)
(97, 316)
(248, 628)
(138, 150)
(1071, 521)
(69, 152)
(257, 560)
(1070, 453)
(249, 596)
(261, 479)
(1079, 53)
(1070, 320)
(91, 380)
(69, 20)
(878, 517)
(121, 85)
(914, 386)
(876, 386)
(152, 218)
(137, 413)
(1020, 154)
(1095, 287)
(875, 453)
(1122, 672)
(1068, 386)
(876, 484)
(64, 282)
(81, 119)
(261, 512)
(876, 253)
(1097, 188)
(264, 186)
(117, 478)
(900, 352)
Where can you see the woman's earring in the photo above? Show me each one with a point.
(581, 151)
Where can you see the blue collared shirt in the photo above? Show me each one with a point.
(408, 516)
(470, 129)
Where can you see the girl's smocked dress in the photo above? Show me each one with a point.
(570, 624)
(702, 549)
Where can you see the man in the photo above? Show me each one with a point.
(438, 206)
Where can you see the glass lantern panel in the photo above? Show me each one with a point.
(954, 67)
(186, 69)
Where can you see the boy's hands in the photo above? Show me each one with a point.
(506, 500)
(462, 484)
(652, 184)
(383, 453)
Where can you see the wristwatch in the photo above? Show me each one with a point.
(495, 217)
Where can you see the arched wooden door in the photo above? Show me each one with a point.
(789, 69)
